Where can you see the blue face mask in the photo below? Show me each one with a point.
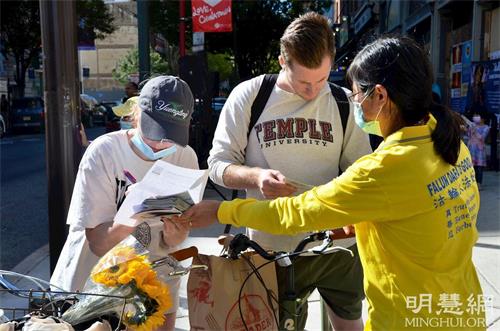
(125, 125)
(371, 127)
(148, 152)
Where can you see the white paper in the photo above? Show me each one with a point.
(301, 187)
(163, 179)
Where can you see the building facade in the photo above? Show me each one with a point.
(462, 39)
(98, 62)
(455, 33)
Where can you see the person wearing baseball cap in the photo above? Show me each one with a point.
(166, 105)
(127, 113)
(111, 164)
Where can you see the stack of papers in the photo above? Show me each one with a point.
(163, 205)
(165, 190)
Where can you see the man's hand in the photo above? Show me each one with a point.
(201, 215)
(348, 229)
(174, 232)
(272, 184)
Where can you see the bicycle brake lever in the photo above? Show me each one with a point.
(330, 249)
(327, 240)
(167, 260)
(185, 271)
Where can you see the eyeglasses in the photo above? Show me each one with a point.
(351, 96)
(162, 141)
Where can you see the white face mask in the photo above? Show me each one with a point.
(125, 125)
(148, 152)
(476, 119)
(371, 127)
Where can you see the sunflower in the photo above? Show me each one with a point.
(149, 298)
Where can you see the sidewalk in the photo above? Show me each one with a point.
(486, 256)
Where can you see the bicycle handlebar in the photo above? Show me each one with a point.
(241, 243)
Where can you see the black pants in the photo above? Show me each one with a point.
(479, 174)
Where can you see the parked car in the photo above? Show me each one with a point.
(91, 114)
(28, 112)
(3, 127)
(218, 103)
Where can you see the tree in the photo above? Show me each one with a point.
(221, 63)
(20, 30)
(21, 35)
(94, 18)
(164, 19)
(129, 65)
(257, 28)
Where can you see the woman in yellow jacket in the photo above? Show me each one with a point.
(413, 201)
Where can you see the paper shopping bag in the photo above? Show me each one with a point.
(213, 295)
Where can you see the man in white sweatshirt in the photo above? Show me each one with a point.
(298, 138)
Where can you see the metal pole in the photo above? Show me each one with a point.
(182, 28)
(143, 26)
(62, 109)
(80, 71)
(325, 321)
(477, 36)
(235, 39)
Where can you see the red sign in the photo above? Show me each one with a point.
(211, 15)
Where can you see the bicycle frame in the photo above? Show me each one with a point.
(292, 305)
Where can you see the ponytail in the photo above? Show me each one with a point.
(403, 67)
(446, 136)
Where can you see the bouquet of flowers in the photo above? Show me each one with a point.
(123, 282)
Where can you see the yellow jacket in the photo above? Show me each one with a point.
(415, 220)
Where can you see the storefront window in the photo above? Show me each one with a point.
(491, 46)
(415, 5)
(394, 15)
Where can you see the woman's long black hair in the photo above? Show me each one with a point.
(404, 69)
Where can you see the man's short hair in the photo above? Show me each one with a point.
(307, 40)
(133, 85)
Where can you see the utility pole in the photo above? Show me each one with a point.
(143, 27)
(182, 28)
(62, 109)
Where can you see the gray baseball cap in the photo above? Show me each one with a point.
(167, 105)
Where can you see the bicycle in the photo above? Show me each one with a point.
(240, 243)
(44, 302)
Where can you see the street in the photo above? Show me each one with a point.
(23, 196)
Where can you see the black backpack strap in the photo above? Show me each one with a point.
(266, 88)
(343, 104)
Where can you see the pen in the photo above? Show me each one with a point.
(129, 176)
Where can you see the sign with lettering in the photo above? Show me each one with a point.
(211, 15)
(461, 55)
(483, 93)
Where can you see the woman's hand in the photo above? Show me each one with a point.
(175, 231)
(202, 214)
(130, 188)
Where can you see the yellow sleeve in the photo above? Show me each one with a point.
(354, 197)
